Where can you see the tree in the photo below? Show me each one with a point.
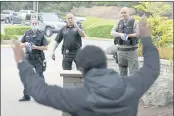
(16, 6)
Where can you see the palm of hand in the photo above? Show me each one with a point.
(144, 28)
(18, 51)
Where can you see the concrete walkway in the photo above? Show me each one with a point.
(12, 90)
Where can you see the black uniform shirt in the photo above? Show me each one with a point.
(37, 39)
(71, 38)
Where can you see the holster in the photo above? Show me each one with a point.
(115, 56)
(44, 65)
(116, 40)
(41, 59)
(130, 41)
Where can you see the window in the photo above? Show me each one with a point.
(33, 16)
(32, 11)
(15, 14)
(28, 17)
(23, 11)
(40, 18)
(50, 17)
(5, 12)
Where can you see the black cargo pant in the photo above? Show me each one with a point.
(38, 67)
(68, 57)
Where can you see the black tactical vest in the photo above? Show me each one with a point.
(128, 29)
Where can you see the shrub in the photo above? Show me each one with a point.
(164, 52)
(8, 37)
(16, 30)
(162, 30)
(154, 8)
(162, 27)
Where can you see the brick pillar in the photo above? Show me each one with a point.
(71, 79)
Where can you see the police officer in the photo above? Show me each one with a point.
(71, 35)
(127, 41)
(35, 43)
(104, 93)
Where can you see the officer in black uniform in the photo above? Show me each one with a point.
(35, 43)
(71, 35)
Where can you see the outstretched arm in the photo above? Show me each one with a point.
(68, 100)
(145, 77)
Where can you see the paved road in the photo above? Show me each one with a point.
(3, 26)
(11, 87)
(7, 54)
(11, 91)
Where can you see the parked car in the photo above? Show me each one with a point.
(49, 23)
(24, 12)
(10, 16)
(80, 19)
(28, 17)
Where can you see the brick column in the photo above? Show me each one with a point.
(71, 79)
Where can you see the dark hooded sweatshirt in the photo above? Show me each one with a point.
(104, 92)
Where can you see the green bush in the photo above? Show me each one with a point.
(164, 52)
(16, 30)
(162, 27)
(162, 30)
(97, 27)
(8, 37)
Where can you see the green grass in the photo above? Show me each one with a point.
(99, 28)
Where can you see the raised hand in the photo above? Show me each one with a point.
(18, 51)
(144, 28)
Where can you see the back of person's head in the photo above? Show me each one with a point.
(90, 57)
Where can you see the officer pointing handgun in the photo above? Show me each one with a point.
(35, 43)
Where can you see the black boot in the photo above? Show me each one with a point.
(25, 98)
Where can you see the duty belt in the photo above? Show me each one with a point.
(127, 49)
(35, 56)
(70, 50)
